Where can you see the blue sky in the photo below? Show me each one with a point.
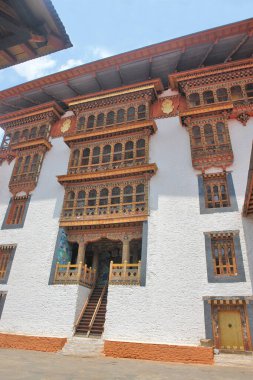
(101, 28)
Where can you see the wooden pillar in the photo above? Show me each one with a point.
(125, 249)
(81, 252)
(95, 258)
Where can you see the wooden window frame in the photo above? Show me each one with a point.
(216, 180)
(225, 263)
(6, 258)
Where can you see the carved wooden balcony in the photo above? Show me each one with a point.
(114, 213)
(80, 274)
(125, 274)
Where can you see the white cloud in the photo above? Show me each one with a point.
(36, 68)
(98, 52)
(70, 63)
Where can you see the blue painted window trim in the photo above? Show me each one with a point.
(6, 226)
(231, 192)
(240, 277)
(9, 265)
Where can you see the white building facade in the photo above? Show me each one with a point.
(126, 214)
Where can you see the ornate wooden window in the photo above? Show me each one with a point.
(6, 258)
(142, 112)
(81, 123)
(90, 122)
(222, 94)
(25, 134)
(16, 137)
(110, 118)
(42, 131)
(121, 116)
(236, 92)
(209, 136)
(208, 97)
(216, 190)
(17, 211)
(27, 167)
(117, 153)
(210, 142)
(249, 90)
(105, 200)
(108, 156)
(223, 254)
(130, 114)
(100, 120)
(194, 99)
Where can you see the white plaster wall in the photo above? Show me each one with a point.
(32, 306)
(169, 309)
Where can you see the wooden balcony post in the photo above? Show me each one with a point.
(56, 271)
(124, 271)
(81, 252)
(139, 272)
(110, 272)
(85, 273)
(79, 271)
(125, 249)
(68, 271)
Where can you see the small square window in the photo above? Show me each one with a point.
(6, 259)
(216, 190)
(16, 212)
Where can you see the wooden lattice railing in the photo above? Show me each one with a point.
(74, 274)
(125, 274)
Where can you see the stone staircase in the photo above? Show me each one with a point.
(83, 347)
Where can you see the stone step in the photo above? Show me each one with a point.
(83, 347)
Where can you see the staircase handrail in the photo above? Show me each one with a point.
(84, 306)
(96, 310)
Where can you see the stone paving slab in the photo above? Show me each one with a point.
(31, 365)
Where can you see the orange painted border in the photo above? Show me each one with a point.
(36, 343)
(159, 352)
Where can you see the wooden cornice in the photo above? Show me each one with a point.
(120, 129)
(103, 222)
(207, 109)
(25, 114)
(154, 84)
(31, 144)
(148, 169)
(176, 78)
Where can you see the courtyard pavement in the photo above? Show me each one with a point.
(31, 365)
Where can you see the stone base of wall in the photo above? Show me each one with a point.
(159, 352)
(36, 343)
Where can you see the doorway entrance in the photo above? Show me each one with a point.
(231, 336)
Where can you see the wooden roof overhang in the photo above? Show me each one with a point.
(248, 201)
(124, 221)
(233, 42)
(134, 171)
(29, 29)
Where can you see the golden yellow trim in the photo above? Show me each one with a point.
(30, 143)
(140, 169)
(205, 109)
(112, 94)
(118, 129)
(131, 219)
